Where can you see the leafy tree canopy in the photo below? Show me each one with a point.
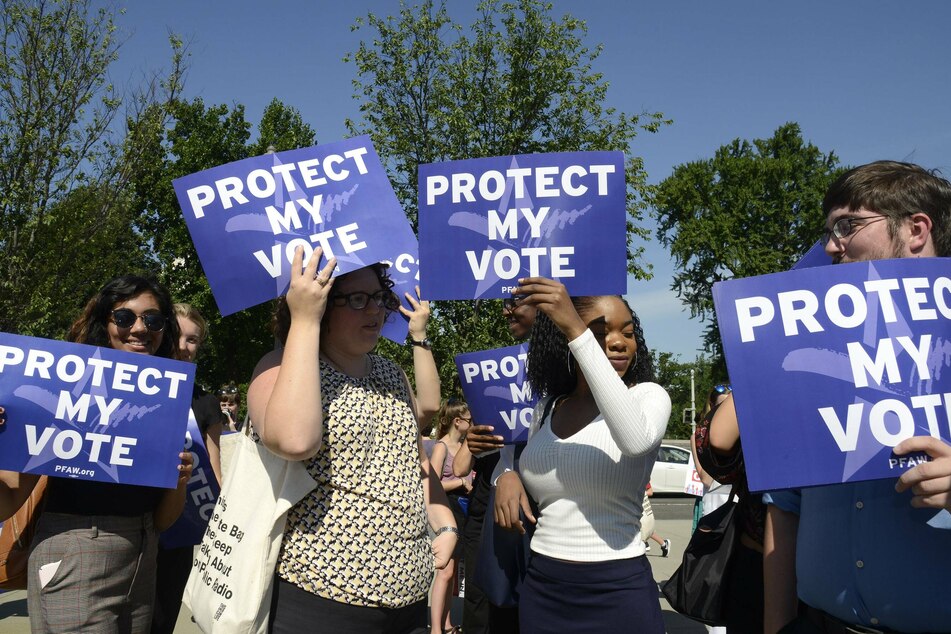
(517, 80)
(754, 208)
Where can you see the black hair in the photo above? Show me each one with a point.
(552, 372)
(91, 327)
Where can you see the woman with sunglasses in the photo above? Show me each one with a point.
(720, 454)
(92, 567)
(454, 421)
(592, 443)
(356, 555)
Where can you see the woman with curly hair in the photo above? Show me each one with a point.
(592, 444)
(355, 555)
(96, 542)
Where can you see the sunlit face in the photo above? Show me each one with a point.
(463, 422)
(136, 338)
(356, 330)
(610, 321)
(189, 340)
(520, 320)
(720, 398)
(869, 240)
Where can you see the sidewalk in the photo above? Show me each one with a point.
(14, 619)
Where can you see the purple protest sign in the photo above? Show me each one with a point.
(200, 494)
(496, 390)
(833, 366)
(247, 218)
(485, 223)
(93, 413)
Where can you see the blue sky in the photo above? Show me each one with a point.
(867, 79)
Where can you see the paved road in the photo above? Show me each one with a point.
(14, 619)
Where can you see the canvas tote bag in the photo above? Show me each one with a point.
(229, 588)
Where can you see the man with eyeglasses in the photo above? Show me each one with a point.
(870, 556)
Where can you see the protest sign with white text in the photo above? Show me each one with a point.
(248, 217)
(484, 223)
(78, 411)
(497, 391)
(833, 366)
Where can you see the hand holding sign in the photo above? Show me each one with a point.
(418, 317)
(551, 298)
(185, 469)
(480, 440)
(308, 293)
(929, 481)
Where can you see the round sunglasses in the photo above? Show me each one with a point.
(125, 318)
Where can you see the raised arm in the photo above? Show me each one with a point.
(636, 417)
(284, 396)
(424, 365)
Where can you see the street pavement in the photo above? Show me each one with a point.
(14, 618)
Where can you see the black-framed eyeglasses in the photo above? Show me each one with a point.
(358, 300)
(723, 388)
(468, 420)
(510, 303)
(847, 225)
(126, 318)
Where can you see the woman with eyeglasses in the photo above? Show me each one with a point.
(454, 420)
(719, 452)
(592, 443)
(356, 555)
(92, 567)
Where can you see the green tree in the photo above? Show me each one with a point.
(674, 376)
(516, 81)
(64, 219)
(754, 208)
(196, 138)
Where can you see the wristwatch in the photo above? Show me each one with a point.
(425, 343)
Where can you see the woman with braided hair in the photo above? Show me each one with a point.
(592, 444)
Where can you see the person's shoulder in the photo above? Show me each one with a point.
(269, 361)
(649, 388)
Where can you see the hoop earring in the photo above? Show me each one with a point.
(571, 367)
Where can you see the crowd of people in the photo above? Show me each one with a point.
(376, 545)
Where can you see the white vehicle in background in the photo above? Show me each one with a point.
(671, 469)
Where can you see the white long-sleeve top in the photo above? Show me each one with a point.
(590, 486)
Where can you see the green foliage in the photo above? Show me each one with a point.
(674, 376)
(516, 81)
(65, 221)
(754, 208)
(200, 137)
